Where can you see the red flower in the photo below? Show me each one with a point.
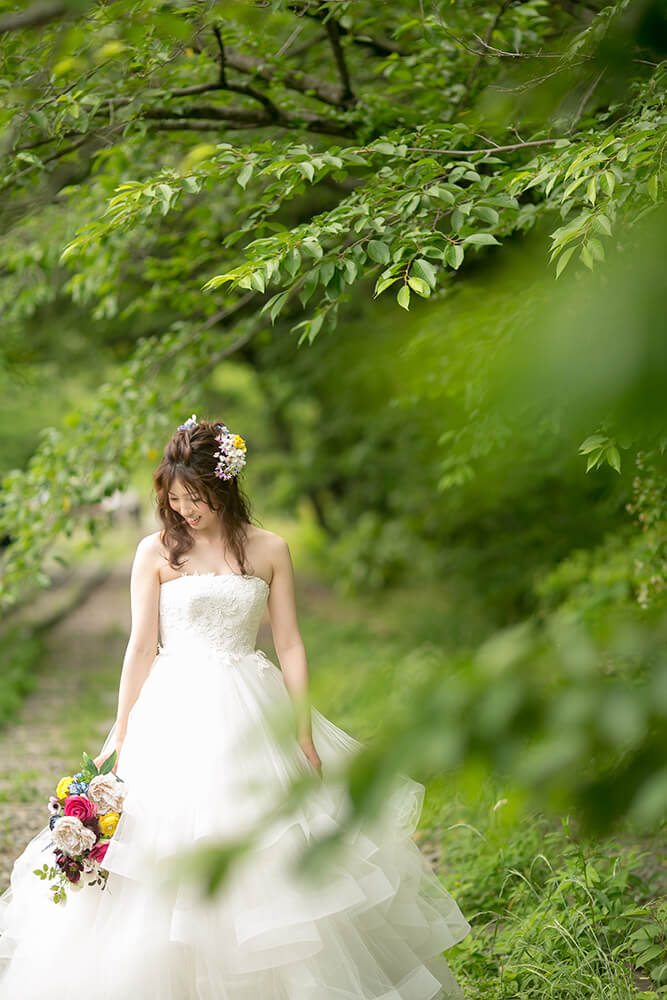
(98, 851)
(80, 806)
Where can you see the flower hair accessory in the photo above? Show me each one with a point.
(190, 422)
(230, 455)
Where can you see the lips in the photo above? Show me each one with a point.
(195, 521)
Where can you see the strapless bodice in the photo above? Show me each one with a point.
(211, 614)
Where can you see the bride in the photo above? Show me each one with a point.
(204, 764)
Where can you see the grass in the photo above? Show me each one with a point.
(22, 650)
(555, 916)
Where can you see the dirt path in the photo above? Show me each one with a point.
(35, 749)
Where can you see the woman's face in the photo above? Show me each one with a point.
(193, 508)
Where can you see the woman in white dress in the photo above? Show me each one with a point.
(204, 762)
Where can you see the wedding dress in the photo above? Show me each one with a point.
(202, 763)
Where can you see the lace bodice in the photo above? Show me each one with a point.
(211, 614)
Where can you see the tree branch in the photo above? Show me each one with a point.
(243, 88)
(472, 75)
(33, 17)
(208, 118)
(333, 32)
(293, 79)
(381, 46)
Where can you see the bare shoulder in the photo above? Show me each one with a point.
(268, 549)
(150, 552)
(267, 541)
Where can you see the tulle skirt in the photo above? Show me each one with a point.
(204, 762)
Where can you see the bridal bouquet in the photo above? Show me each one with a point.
(84, 814)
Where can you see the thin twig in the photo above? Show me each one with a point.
(585, 99)
(479, 152)
(286, 45)
(472, 75)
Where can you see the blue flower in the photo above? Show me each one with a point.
(190, 422)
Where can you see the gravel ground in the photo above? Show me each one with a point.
(34, 750)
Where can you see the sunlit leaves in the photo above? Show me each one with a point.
(600, 449)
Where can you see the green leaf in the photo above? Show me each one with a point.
(309, 286)
(384, 147)
(306, 169)
(571, 188)
(275, 304)
(327, 271)
(379, 252)
(293, 261)
(608, 180)
(441, 193)
(218, 280)
(481, 240)
(424, 270)
(108, 763)
(587, 257)
(564, 260)
(614, 458)
(244, 175)
(350, 271)
(594, 458)
(383, 283)
(419, 286)
(596, 249)
(652, 187)
(403, 297)
(454, 255)
(602, 224)
(314, 327)
(165, 194)
(487, 214)
(313, 247)
(457, 219)
(591, 190)
(594, 441)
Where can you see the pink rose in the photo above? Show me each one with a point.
(80, 806)
(99, 850)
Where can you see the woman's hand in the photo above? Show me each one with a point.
(311, 753)
(99, 760)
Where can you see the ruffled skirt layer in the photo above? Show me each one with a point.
(203, 763)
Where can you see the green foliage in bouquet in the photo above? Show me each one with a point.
(86, 859)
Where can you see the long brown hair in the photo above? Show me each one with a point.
(189, 456)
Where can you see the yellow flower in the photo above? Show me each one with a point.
(239, 442)
(108, 823)
(62, 789)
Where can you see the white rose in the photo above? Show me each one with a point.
(71, 837)
(107, 793)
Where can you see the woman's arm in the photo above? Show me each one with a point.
(289, 644)
(142, 645)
